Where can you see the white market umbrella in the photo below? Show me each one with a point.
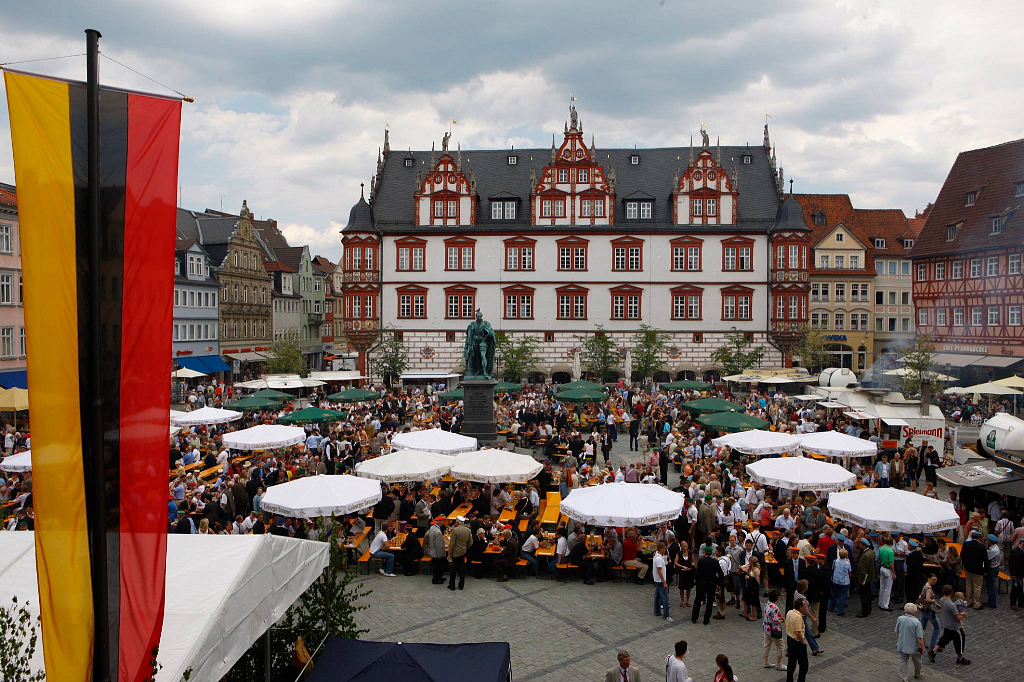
(837, 444)
(494, 466)
(776, 380)
(186, 373)
(622, 504)
(992, 388)
(18, 463)
(265, 437)
(405, 465)
(434, 440)
(903, 371)
(1014, 381)
(314, 496)
(206, 415)
(893, 510)
(801, 473)
(759, 442)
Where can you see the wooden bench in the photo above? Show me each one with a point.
(367, 561)
(553, 508)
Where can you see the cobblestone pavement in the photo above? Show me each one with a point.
(570, 631)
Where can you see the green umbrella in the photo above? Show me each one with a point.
(271, 394)
(354, 395)
(251, 404)
(732, 422)
(686, 383)
(582, 395)
(312, 415)
(451, 396)
(507, 387)
(581, 384)
(713, 405)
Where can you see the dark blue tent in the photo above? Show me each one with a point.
(353, 660)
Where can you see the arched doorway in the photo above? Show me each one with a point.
(561, 377)
(662, 377)
(712, 376)
(686, 375)
(887, 357)
(535, 378)
(842, 355)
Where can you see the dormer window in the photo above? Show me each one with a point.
(639, 210)
(503, 209)
(908, 243)
(513, 160)
(819, 218)
(971, 197)
(746, 159)
(634, 160)
(177, 266)
(997, 225)
(1019, 192)
(951, 231)
(879, 243)
(408, 162)
(840, 237)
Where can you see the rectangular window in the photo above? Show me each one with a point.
(559, 209)
(958, 269)
(975, 317)
(357, 307)
(633, 307)
(698, 207)
(693, 307)
(824, 291)
(892, 267)
(563, 175)
(585, 208)
(467, 257)
(645, 210)
(177, 298)
(582, 175)
(743, 307)
(951, 232)
(824, 261)
(526, 257)
(453, 207)
(712, 207)
(619, 258)
(1014, 264)
(975, 267)
(940, 271)
(905, 268)
(468, 306)
(453, 306)
(880, 266)
(840, 320)
(679, 258)
(864, 292)
(634, 258)
(958, 317)
(419, 305)
(905, 298)
(572, 307)
(618, 307)
(22, 353)
(368, 306)
(840, 292)
(997, 225)
(526, 306)
(404, 305)
(679, 307)
(6, 243)
(545, 208)
(579, 258)
(495, 210)
(6, 288)
(780, 257)
(745, 258)
(922, 272)
(993, 316)
(7, 342)
(840, 262)
(992, 266)
(1014, 319)
(905, 324)
(780, 307)
(511, 306)
(855, 262)
(453, 258)
(631, 210)
(880, 324)
(579, 307)
(794, 257)
(438, 209)
(794, 307)
(512, 258)
(892, 324)
(892, 298)
(815, 291)
(730, 258)
(940, 317)
(729, 308)
(510, 210)
(357, 258)
(599, 208)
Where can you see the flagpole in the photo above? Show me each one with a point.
(97, 466)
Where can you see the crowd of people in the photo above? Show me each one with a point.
(737, 549)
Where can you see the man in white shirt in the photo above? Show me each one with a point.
(529, 552)
(785, 522)
(662, 602)
(378, 551)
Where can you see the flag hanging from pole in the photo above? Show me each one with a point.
(138, 177)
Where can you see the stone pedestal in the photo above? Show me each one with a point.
(478, 411)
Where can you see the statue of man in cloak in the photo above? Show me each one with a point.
(479, 348)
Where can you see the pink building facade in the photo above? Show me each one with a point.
(12, 309)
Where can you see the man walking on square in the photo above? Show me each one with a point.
(434, 542)
(909, 641)
(662, 603)
(708, 576)
(461, 541)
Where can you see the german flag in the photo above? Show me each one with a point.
(138, 163)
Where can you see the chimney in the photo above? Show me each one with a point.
(926, 397)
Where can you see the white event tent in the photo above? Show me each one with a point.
(18, 463)
(405, 465)
(836, 444)
(759, 442)
(800, 473)
(494, 466)
(893, 510)
(265, 437)
(204, 415)
(311, 497)
(622, 504)
(208, 624)
(434, 440)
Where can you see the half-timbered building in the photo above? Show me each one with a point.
(968, 286)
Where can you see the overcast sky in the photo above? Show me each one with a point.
(870, 98)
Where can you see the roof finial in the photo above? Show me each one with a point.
(782, 181)
(791, 187)
(387, 139)
(554, 151)
(718, 143)
(361, 195)
(432, 144)
(458, 158)
(691, 150)
(767, 140)
(380, 162)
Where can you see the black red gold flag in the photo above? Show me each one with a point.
(138, 145)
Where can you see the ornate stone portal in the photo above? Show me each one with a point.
(478, 386)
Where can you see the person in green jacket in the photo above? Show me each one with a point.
(866, 575)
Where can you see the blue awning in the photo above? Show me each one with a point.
(207, 364)
(16, 379)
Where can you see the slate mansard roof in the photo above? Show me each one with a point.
(393, 203)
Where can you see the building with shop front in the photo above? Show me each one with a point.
(195, 330)
(966, 265)
(12, 308)
(558, 242)
(287, 302)
(892, 237)
(842, 272)
(245, 303)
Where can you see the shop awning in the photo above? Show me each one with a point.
(996, 361)
(832, 405)
(337, 375)
(207, 364)
(1014, 488)
(415, 376)
(247, 357)
(940, 360)
(854, 414)
(16, 379)
(977, 473)
(893, 421)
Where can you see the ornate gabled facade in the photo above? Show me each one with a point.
(789, 284)
(556, 242)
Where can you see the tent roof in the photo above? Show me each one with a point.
(351, 660)
(208, 624)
